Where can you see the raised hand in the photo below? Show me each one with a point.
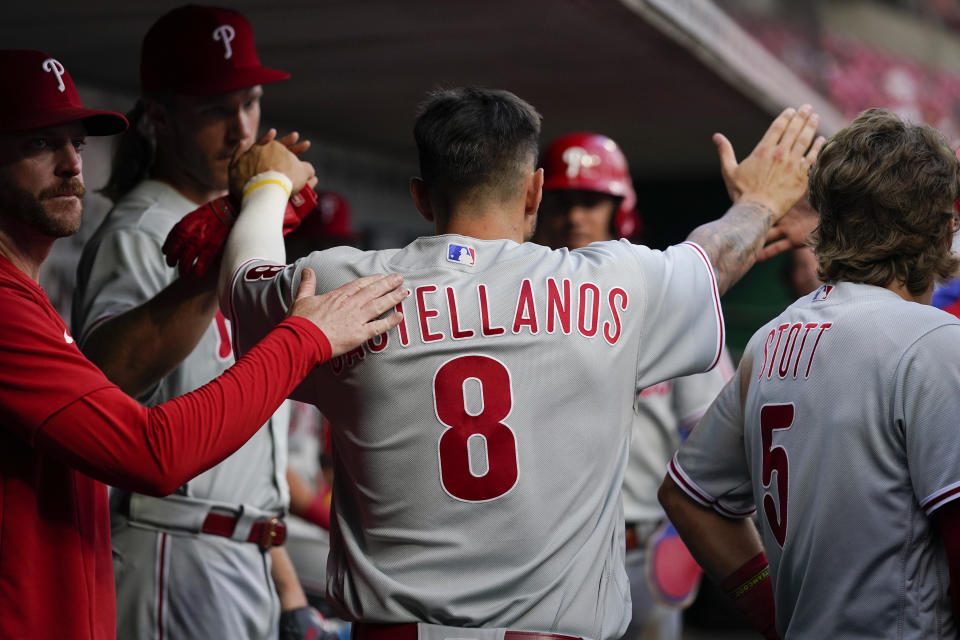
(349, 316)
(775, 173)
(291, 141)
(272, 155)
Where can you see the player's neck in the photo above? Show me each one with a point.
(169, 173)
(901, 290)
(484, 228)
(24, 247)
(485, 221)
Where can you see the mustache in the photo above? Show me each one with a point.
(71, 187)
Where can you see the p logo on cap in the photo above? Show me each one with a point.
(202, 51)
(53, 66)
(38, 92)
(225, 33)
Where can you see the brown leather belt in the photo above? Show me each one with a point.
(368, 631)
(266, 533)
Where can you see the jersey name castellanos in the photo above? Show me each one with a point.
(480, 445)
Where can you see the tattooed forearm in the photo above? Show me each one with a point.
(734, 241)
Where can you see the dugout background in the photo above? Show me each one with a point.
(658, 76)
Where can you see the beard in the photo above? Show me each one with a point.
(41, 211)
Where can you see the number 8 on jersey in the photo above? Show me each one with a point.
(468, 432)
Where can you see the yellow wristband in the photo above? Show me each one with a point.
(260, 183)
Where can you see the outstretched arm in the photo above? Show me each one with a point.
(767, 184)
(110, 437)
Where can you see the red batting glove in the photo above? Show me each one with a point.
(195, 243)
(301, 203)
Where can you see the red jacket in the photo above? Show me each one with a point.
(65, 430)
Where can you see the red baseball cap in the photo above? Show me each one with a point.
(38, 92)
(202, 51)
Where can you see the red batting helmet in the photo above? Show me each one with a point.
(593, 162)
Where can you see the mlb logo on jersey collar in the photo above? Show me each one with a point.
(461, 254)
(823, 292)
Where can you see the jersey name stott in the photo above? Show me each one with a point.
(789, 349)
(582, 309)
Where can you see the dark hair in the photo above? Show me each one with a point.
(136, 152)
(470, 138)
(885, 191)
(134, 155)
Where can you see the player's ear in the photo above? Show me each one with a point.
(421, 198)
(534, 193)
(156, 113)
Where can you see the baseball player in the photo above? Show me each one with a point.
(588, 197)
(840, 426)
(480, 448)
(158, 337)
(64, 428)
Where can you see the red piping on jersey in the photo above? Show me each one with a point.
(687, 486)
(716, 300)
(937, 500)
(700, 496)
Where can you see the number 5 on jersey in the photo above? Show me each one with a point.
(471, 436)
(775, 417)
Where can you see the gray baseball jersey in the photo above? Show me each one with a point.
(480, 445)
(156, 571)
(663, 410)
(848, 441)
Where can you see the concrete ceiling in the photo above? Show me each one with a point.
(360, 67)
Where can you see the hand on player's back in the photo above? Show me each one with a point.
(349, 315)
(273, 155)
(775, 172)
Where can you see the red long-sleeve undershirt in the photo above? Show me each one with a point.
(110, 437)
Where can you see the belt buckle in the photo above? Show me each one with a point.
(272, 529)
